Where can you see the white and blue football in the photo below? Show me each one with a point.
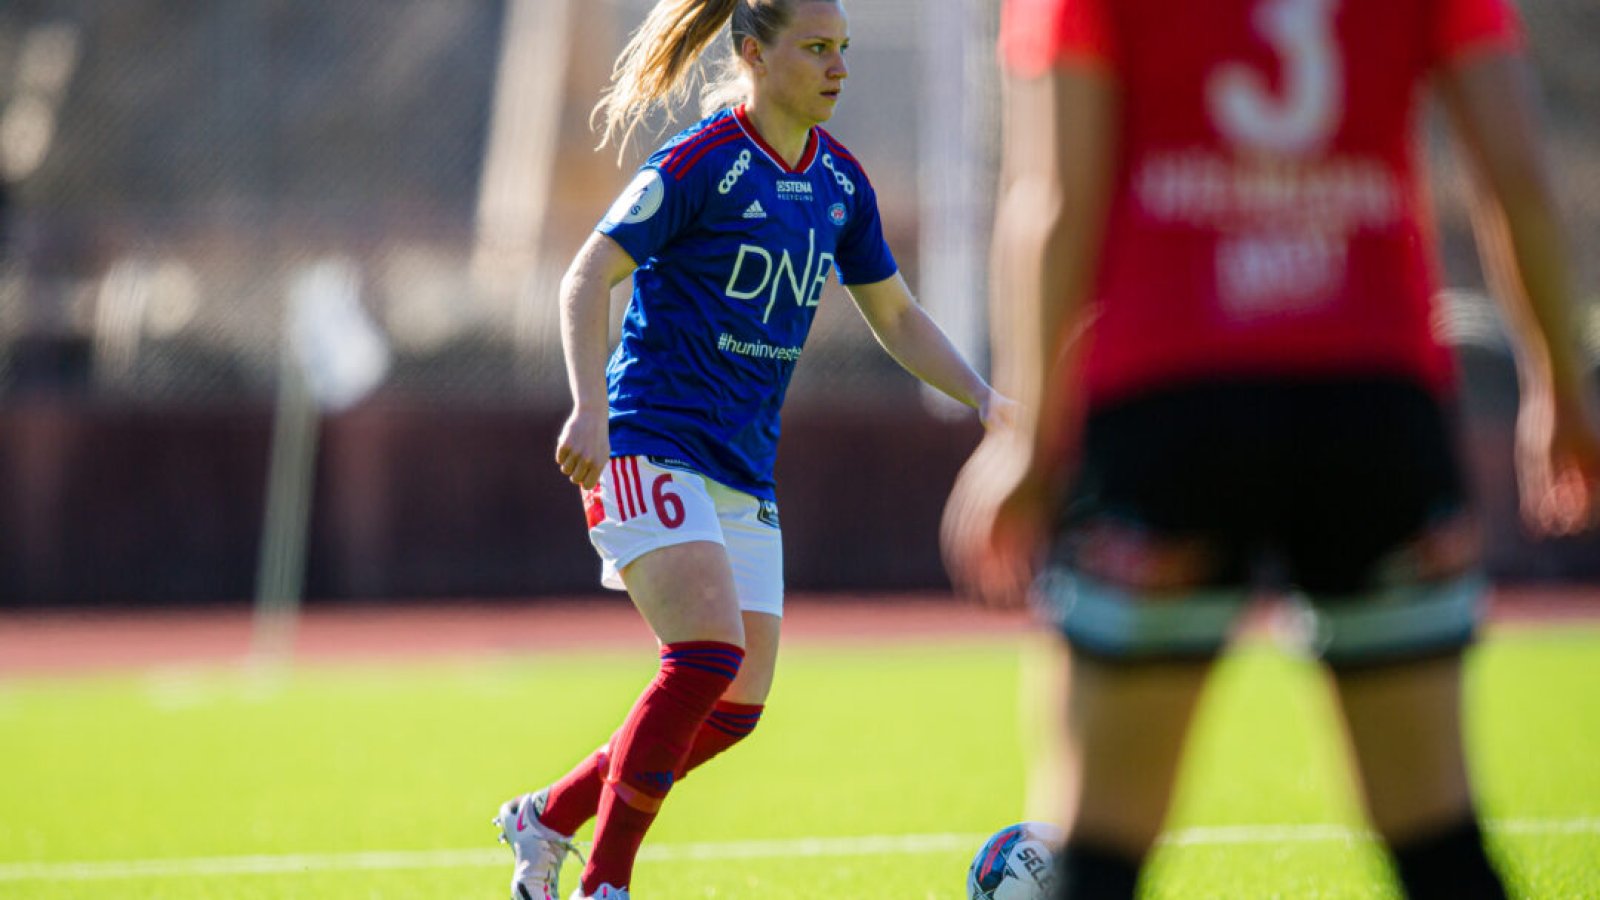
(1017, 863)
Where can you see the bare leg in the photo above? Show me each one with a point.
(574, 799)
(1125, 735)
(1405, 725)
(761, 633)
(1042, 696)
(1405, 728)
(685, 593)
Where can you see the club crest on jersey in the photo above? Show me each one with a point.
(836, 214)
(640, 201)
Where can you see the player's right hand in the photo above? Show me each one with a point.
(1558, 462)
(584, 447)
(994, 523)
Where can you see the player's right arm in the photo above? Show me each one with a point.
(1490, 99)
(585, 442)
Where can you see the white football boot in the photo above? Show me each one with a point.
(606, 892)
(539, 851)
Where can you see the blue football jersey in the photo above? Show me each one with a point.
(733, 249)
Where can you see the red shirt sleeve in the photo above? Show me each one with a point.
(1037, 35)
(1468, 26)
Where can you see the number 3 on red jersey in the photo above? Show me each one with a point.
(1303, 114)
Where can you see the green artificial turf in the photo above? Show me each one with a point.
(378, 781)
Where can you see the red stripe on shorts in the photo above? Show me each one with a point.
(624, 504)
(638, 486)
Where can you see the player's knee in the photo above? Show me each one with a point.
(700, 671)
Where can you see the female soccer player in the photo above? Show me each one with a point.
(730, 231)
(1214, 293)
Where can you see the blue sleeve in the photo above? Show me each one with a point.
(863, 256)
(653, 210)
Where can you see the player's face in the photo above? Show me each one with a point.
(804, 67)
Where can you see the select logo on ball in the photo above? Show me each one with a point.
(1016, 863)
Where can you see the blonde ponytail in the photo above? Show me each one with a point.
(729, 86)
(653, 68)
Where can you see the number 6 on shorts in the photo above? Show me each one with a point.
(640, 506)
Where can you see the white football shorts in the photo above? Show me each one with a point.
(645, 503)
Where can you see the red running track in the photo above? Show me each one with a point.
(47, 643)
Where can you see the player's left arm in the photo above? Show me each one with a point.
(1492, 101)
(922, 348)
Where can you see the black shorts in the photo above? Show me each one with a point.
(1348, 491)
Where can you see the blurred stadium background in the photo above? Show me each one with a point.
(173, 169)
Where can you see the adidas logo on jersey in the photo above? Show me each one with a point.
(755, 211)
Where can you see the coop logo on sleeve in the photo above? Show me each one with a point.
(640, 201)
(740, 166)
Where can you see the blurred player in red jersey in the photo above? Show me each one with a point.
(1213, 298)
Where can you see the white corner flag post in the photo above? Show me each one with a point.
(958, 118)
(332, 356)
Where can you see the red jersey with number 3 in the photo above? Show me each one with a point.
(1269, 214)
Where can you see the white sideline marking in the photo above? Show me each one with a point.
(1228, 835)
(869, 845)
(464, 859)
(1223, 835)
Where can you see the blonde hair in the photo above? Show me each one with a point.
(657, 66)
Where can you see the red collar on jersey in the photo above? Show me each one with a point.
(806, 158)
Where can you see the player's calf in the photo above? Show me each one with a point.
(728, 724)
(649, 751)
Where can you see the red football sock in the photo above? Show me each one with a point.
(728, 724)
(576, 797)
(649, 750)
